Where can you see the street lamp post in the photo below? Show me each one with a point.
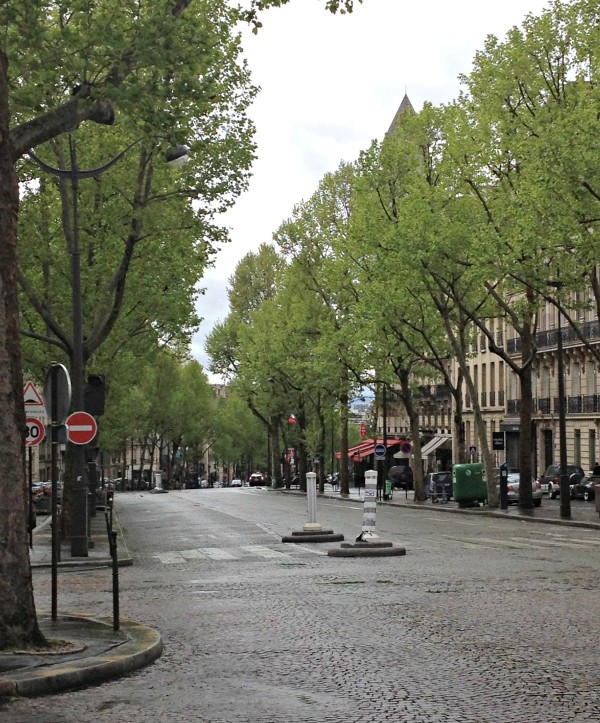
(174, 157)
(565, 493)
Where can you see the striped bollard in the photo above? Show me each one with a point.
(368, 544)
(369, 526)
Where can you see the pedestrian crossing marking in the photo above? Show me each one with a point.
(263, 551)
(192, 554)
(170, 558)
(216, 553)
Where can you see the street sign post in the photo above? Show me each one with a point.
(57, 390)
(81, 428)
(36, 431)
(380, 451)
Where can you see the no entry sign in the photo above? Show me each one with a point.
(81, 428)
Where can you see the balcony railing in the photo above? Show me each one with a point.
(591, 403)
(514, 406)
(492, 399)
(543, 405)
(590, 331)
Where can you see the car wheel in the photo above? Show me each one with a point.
(537, 503)
(587, 496)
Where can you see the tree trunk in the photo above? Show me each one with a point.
(525, 446)
(415, 435)
(18, 621)
(344, 478)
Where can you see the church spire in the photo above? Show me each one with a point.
(405, 106)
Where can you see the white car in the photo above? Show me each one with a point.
(513, 490)
(236, 483)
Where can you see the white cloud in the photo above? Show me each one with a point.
(330, 84)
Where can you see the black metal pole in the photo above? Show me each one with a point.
(30, 479)
(79, 522)
(384, 462)
(565, 493)
(54, 474)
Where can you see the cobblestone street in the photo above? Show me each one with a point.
(483, 621)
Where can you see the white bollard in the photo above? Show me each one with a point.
(311, 496)
(369, 529)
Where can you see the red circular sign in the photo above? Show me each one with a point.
(81, 428)
(36, 432)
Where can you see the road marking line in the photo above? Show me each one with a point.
(554, 543)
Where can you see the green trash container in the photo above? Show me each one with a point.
(387, 490)
(468, 482)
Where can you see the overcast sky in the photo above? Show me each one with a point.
(330, 84)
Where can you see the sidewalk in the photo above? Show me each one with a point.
(98, 551)
(91, 650)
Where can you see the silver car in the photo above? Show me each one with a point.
(513, 489)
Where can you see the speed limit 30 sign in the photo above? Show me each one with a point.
(36, 432)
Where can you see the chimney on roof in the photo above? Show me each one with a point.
(405, 106)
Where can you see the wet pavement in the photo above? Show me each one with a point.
(87, 649)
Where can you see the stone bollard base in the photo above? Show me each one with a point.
(313, 536)
(367, 549)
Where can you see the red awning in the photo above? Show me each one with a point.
(367, 448)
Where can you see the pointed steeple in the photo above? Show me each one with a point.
(405, 106)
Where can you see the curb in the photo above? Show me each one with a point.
(499, 514)
(142, 646)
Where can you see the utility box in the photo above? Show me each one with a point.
(468, 482)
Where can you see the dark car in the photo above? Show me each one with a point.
(256, 479)
(401, 477)
(584, 489)
(438, 486)
(550, 480)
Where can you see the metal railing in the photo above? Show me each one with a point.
(112, 542)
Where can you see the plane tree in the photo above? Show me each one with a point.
(72, 65)
(315, 239)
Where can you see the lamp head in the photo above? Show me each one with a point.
(177, 156)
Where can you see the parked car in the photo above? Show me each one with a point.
(236, 483)
(438, 485)
(401, 476)
(550, 480)
(42, 496)
(585, 489)
(513, 481)
(256, 479)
